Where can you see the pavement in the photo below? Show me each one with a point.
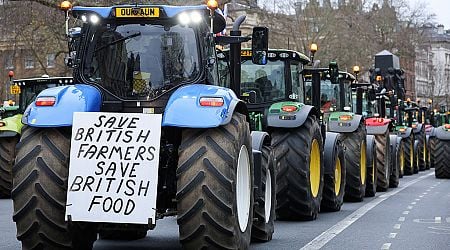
(416, 215)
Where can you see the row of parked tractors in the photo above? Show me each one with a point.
(247, 135)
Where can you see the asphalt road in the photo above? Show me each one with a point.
(416, 215)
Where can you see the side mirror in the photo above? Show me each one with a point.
(334, 72)
(260, 45)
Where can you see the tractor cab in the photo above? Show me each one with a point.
(279, 80)
(28, 89)
(136, 53)
(335, 89)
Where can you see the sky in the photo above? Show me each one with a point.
(441, 9)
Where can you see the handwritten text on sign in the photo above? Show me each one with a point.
(113, 168)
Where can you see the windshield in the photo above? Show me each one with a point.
(267, 81)
(142, 60)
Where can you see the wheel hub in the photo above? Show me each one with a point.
(243, 188)
(314, 168)
(337, 177)
(268, 197)
(362, 163)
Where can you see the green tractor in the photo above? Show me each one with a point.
(307, 180)
(329, 90)
(11, 122)
(365, 104)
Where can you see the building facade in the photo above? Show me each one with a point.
(433, 67)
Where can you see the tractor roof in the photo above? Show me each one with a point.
(281, 54)
(43, 80)
(342, 74)
(106, 12)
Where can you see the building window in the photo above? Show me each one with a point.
(29, 62)
(9, 61)
(51, 62)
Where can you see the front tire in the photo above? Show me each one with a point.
(383, 161)
(355, 161)
(409, 155)
(264, 212)
(215, 186)
(300, 176)
(442, 159)
(334, 182)
(371, 186)
(395, 162)
(7, 155)
(39, 192)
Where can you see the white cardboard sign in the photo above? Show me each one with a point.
(113, 170)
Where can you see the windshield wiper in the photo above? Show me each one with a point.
(118, 40)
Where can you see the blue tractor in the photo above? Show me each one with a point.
(145, 133)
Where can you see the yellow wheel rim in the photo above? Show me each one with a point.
(362, 163)
(424, 153)
(337, 177)
(411, 151)
(373, 170)
(314, 168)
(402, 158)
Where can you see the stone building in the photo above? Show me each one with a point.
(433, 66)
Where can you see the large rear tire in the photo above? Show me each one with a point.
(442, 159)
(395, 162)
(215, 186)
(39, 192)
(7, 155)
(355, 162)
(383, 161)
(300, 176)
(371, 186)
(334, 182)
(409, 155)
(263, 225)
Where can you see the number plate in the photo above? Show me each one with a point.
(113, 170)
(14, 90)
(137, 12)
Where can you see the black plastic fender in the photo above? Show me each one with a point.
(296, 118)
(405, 134)
(258, 140)
(332, 141)
(441, 133)
(418, 128)
(399, 139)
(352, 126)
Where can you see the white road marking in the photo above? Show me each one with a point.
(413, 203)
(420, 196)
(397, 226)
(448, 219)
(401, 219)
(386, 246)
(335, 230)
(392, 235)
(437, 219)
(410, 207)
(405, 212)
(417, 199)
(424, 193)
